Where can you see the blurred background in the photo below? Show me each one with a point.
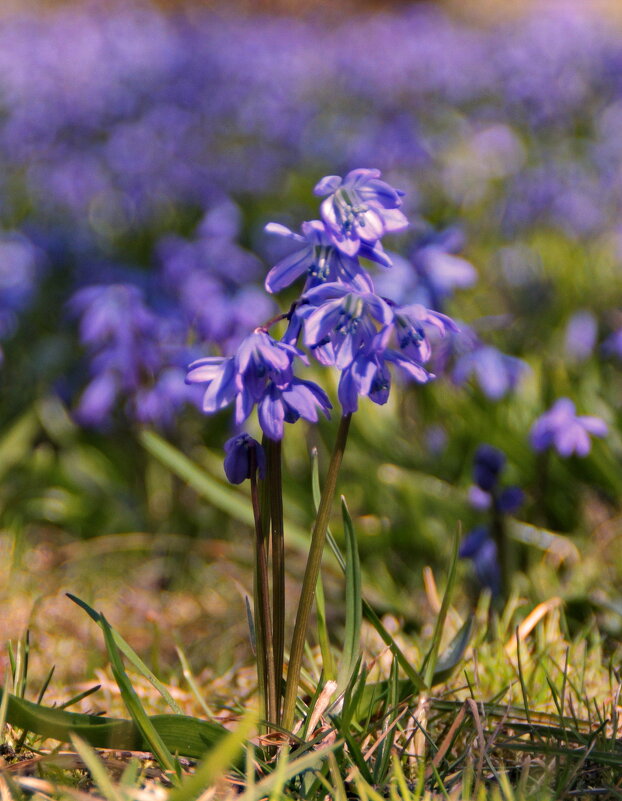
(143, 147)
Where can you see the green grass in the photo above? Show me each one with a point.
(530, 711)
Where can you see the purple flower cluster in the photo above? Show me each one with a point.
(261, 373)
(20, 265)
(339, 317)
(138, 348)
(485, 121)
(487, 494)
(127, 344)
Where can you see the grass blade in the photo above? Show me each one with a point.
(96, 768)
(130, 654)
(451, 658)
(354, 606)
(133, 704)
(415, 677)
(79, 697)
(186, 735)
(46, 684)
(429, 663)
(320, 603)
(4, 705)
(383, 757)
(220, 758)
(189, 677)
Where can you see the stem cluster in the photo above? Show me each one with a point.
(269, 606)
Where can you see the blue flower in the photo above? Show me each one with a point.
(339, 321)
(290, 402)
(481, 549)
(487, 466)
(359, 208)
(439, 269)
(320, 260)
(133, 353)
(510, 500)
(580, 335)
(409, 323)
(564, 430)
(242, 454)
(368, 373)
(260, 373)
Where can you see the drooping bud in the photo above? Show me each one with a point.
(243, 455)
(487, 465)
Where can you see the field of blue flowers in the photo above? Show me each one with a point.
(402, 221)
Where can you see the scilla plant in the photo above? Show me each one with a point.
(341, 322)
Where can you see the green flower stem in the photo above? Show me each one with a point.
(500, 537)
(263, 622)
(275, 489)
(314, 560)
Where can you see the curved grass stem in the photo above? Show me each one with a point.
(314, 560)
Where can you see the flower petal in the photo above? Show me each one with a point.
(282, 230)
(203, 370)
(271, 415)
(222, 389)
(327, 185)
(288, 270)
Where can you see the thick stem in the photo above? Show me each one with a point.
(314, 560)
(265, 654)
(273, 448)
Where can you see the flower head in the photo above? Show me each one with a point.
(359, 208)
(340, 320)
(321, 260)
(410, 323)
(260, 373)
(368, 373)
(564, 430)
(580, 335)
(612, 346)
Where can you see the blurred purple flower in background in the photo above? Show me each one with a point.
(481, 549)
(488, 465)
(580, 335)
(497, 373)
(439, 270)
(127, 344)
(612, 346)
(561, 428)
(20, 268)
